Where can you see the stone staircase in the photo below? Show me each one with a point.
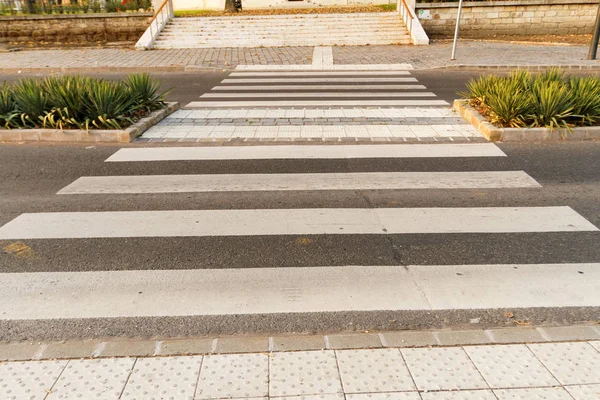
(284, 30)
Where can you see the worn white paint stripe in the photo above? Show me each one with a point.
(314, 80)
(151, 293)
(318, 94)
(336, 67)
(318, 87)
(313, 103)
(307, 152)
(324, 181)
(320, 221)
(320, 73)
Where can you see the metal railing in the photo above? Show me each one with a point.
(161, 18)
(406, 14)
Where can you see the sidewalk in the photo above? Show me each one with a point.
(436, 55)
(390, 365)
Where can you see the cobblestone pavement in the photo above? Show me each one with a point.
(436, 55)
(351, 366)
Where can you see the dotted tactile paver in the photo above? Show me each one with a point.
(384, 396)
(304, 373)
(443, 369)
(102, 379)
(510, 366)
(595, 344)
(459, 395)
(31, 380)
(376, 370)
(233, 376)
(584, 392)
(336, 396)
(554, 393)
(571, 363)
(172, 378)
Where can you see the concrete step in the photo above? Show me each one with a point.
(292, 44)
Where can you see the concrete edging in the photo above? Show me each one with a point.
(495, 134)
(93, 135)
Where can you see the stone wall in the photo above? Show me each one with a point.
(74, 28)
(533, 17)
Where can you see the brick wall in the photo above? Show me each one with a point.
(484, 19)
(74, 29)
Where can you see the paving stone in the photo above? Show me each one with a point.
(555, 393)
(408, 339)
(185, 346)
(29, 380)
(242, 345)
(377, 370)
(93, 379)
(337, 396)
(459, 395)
(134, 348)
(566, 333)
(354, 341)
(163, 378)
(233, 375)
(595, 344)
(384, 396)
(76, 349)
(19, 351)
(452, 338)
(516, 335)
(509, 366)
(584, 392)
(297, 343)
(570, 363)
(443, 369)
(304, 373)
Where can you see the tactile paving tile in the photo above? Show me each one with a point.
(336, 396)
(304, 373)
(510, 366)
(584, 392)
(384, 396)
(233, 375)
(443, 369)
(571, 363)
(163, 378)
(30, 380)
(459, 395)
(554, 393)
(595, 344)
(376, 370)
(93, 379)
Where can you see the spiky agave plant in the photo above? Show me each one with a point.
(8, 110)
(552, 104)
(585, 97)
(67, 95)
(145, 90)
(108, 104)
(508, 103)
(31, 101)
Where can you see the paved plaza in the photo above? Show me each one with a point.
(436, 55)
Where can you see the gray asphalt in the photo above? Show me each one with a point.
(31, 175)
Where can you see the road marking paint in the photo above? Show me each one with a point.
(319, 73)
(318, 87)
(314, 103)
(285, 182)
(319, 94)
(115, 294)
(307, 152)
(325, 79)
(319, 221)
(335, 67)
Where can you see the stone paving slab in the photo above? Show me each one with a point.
(436, 55)
(470, 372)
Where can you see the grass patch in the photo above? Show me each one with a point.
(552, 99)
(78, 102)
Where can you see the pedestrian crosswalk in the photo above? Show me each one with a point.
(330, 105)
(235, 265)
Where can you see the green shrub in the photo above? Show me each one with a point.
(69, 102)
(550, 99)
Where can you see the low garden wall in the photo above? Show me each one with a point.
(74, 28)
(533, 17)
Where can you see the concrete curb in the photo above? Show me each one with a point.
(92, 136)
(576, 67)
(144, 347)
(496, 134)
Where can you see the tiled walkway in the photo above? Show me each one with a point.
(567, 370)
(432, 56)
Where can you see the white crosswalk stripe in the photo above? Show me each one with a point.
(316, 87)
(319, 94)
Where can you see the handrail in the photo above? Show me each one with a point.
(410, 13)
(156, 25)
(406, 14)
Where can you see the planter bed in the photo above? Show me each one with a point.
(494, 133)
(93, 135)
